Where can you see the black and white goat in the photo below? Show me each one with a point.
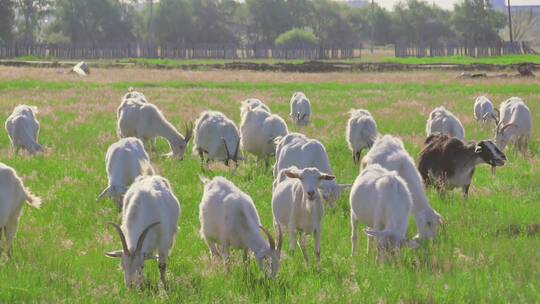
(447, 162)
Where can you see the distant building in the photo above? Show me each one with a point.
(501, 5)
(357, 3)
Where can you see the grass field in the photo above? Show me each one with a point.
(380, 56)
(489, 251)
(496, 60)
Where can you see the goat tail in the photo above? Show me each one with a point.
(31, 199)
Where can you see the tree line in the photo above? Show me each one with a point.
(249, 22)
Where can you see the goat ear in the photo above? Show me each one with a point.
(291, 174)
(114, 254)
(478, 149)
(327, 177)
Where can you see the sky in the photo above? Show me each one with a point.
(450, 3)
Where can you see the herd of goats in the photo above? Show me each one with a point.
(388, 188)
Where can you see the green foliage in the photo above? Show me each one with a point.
(174, 23)
(32, 14)
(268, 19)
(6, 20)
(418, 22)
(56, 38)
(297, 38)
(246, 22)
(495, 60)
(195, 21)
(475, 22)
(487, 253)
(87, 22)
(330, 23)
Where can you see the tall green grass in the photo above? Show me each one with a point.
(495, 60)
(488, 253)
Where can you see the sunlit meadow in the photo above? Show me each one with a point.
(488, 252)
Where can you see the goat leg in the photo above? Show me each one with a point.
(162, 269)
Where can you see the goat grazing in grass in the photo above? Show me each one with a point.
(515, 125)
(389, 153)
(229, 219)
(218, 137)
(381, 200)
(146, 122)
(447, 162)
(149, 223)
(361, 133)
(125, 160)
(22, 127)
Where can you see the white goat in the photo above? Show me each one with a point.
(134, 94)
(252, 104)
(229, 219)
(361, 132)
(297, 205)
(381, 200)
(258, 129)
(443, 121)
(515, 124)
(146, 122)
(389, 153)
(282, 141)
(300, 109)
(22, 127)
(130, 95)
(217, 136)
(484, 112)
(305, 153)
(81, 69)
(149, 203)
(12, 196)
(125, 160)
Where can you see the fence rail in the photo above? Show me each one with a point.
(225, 51)
(443, 50)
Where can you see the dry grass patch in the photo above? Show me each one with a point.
(104, 76)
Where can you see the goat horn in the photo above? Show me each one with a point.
(122, 237)
(496, 118)
(236, 152)
(102, 194)
(189, 131)
(270, 238)
(142, 237)
(226, 148)
(507, 126)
